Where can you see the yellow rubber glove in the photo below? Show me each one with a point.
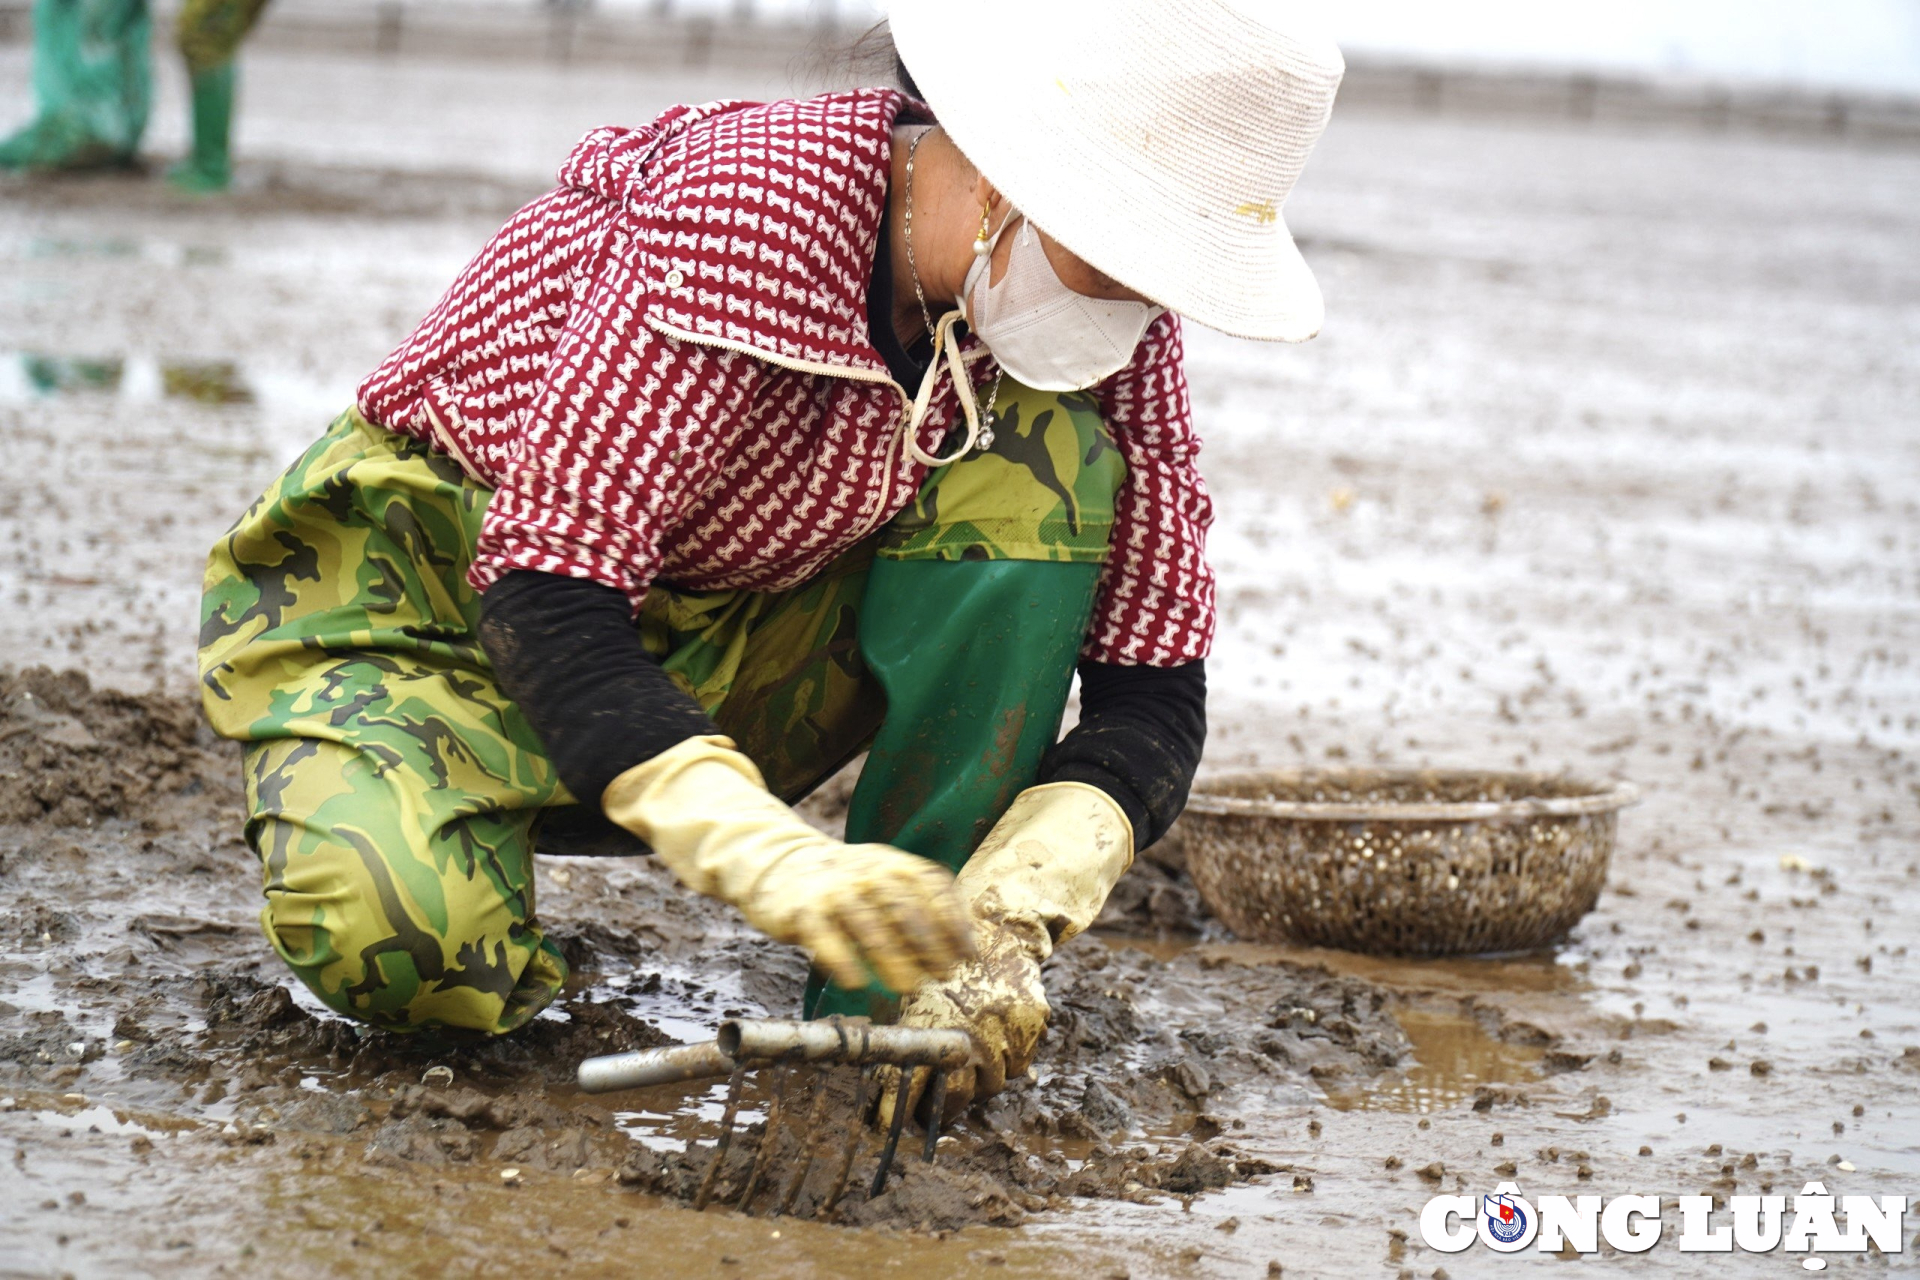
(1040, 877)
(706, 811)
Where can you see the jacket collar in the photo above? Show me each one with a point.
(757, 222)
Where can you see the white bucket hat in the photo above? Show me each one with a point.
(1156, 139)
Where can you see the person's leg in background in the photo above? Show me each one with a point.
(391, 786)
(209, 33)
(973, 617)
(92, 83)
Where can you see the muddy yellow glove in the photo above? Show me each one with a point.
(707, 813)
(1040, 877)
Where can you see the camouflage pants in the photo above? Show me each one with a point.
(210, 31)
(394, 791)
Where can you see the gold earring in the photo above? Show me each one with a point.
(981, 245)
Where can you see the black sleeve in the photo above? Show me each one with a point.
(567, 652)
(1139, 739)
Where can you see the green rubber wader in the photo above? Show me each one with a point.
(209, 33)
(207, 169)
(975, 691)
(93, 85)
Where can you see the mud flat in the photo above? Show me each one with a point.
(1606, 462)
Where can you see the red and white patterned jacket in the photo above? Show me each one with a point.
(663, 369)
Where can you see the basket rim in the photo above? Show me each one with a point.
(1604, 798)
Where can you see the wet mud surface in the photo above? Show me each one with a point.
(137, 982)
(1604, 464)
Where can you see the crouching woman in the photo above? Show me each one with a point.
(776, 433)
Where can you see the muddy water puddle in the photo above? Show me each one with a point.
(1453, 1058)
(27, 377)
(1452, 1055)
(121, 249)
(193, 1204)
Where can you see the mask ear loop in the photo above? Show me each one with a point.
(984, 242)
(977, 434)
(963, 387)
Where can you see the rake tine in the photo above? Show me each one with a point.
(726, 1136)
(893, 1131)
(854, 1132)
(776, 1111)
(815, 1116)
(937, 1105)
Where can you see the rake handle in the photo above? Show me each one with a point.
(742, 1040)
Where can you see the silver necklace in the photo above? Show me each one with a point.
(985, 442)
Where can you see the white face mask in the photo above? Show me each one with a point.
(1043, 333)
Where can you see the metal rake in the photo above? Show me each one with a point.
(749, 1044)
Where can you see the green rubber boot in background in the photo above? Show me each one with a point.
(93, 85)
(209, 169)
(977, 659)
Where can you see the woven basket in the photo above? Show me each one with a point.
(1401, 862)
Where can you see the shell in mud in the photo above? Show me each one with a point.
(1401, 862)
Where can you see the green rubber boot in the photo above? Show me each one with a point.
(977, 658)
(208, 169)
(93, 84)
